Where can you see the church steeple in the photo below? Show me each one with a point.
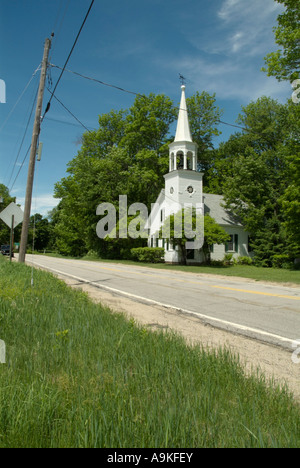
(183, 132)
(183, 152)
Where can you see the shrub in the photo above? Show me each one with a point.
(245, 261)
(148, 254)
(217, 263)
(229, 259)
(92, 254)
(282, 261)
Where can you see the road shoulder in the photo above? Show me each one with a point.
(273, 362)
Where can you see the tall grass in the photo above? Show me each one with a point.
(78, 375)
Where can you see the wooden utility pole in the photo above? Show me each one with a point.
(31, 168)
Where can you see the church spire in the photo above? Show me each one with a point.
(183, 132)
(183, 151)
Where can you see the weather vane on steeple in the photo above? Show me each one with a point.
(182, 79)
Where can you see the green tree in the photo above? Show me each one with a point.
(179, 225)
(284, 63)
(290, 199)
(39, 232)
(255, 172)
(148, 124)
(127, 155)
(204, 117)
(213, 234)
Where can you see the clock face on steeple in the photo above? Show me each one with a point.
(171, 190)
(190, 189)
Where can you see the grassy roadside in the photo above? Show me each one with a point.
(79, 376)
(276, 275)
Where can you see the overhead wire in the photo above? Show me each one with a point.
(21, 167)
(65, 122)
(97, 81)
(68, 110)
(128, 91)
(58, 24)
(19, 98)
(57, 83)
(63, 69)
(24, 135)
(68, 58)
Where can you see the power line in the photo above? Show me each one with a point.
(236, 126)
(21, 167)
(98, 81)
(58, 23)
(74, 117)
(69, 56)
(20, 97)
(64, 122)
(27, 125)
(129, 92)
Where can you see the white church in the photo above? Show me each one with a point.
(184, 185)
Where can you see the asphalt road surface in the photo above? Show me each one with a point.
(267, 312)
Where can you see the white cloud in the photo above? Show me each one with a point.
(41, 204)
(245, 10)
(230, 54)
(238, 27)
(230, 79)
(247, 25)
(225, 12)
(237, 41)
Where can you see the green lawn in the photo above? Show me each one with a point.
(244, 271)
(78, 375)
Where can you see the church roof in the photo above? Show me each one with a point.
(183, 132)
(213, 206)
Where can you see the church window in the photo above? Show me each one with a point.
(233, 244)
(189, 161)
(180, 161)
(190, 254)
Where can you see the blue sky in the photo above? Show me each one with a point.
(139, 45)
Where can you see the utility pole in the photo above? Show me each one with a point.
(31, 168)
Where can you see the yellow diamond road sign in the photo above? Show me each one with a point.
(10, 211)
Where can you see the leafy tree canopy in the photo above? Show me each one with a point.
(285, 62)
(127, 155)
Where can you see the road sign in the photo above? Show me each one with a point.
(10, 211)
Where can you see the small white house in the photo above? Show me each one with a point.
(184, 185)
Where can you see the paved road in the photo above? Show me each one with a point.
(264, 311)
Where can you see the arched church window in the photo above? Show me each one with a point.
(189, 161)
(180, 161)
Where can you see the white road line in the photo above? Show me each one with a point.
(207, 318)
